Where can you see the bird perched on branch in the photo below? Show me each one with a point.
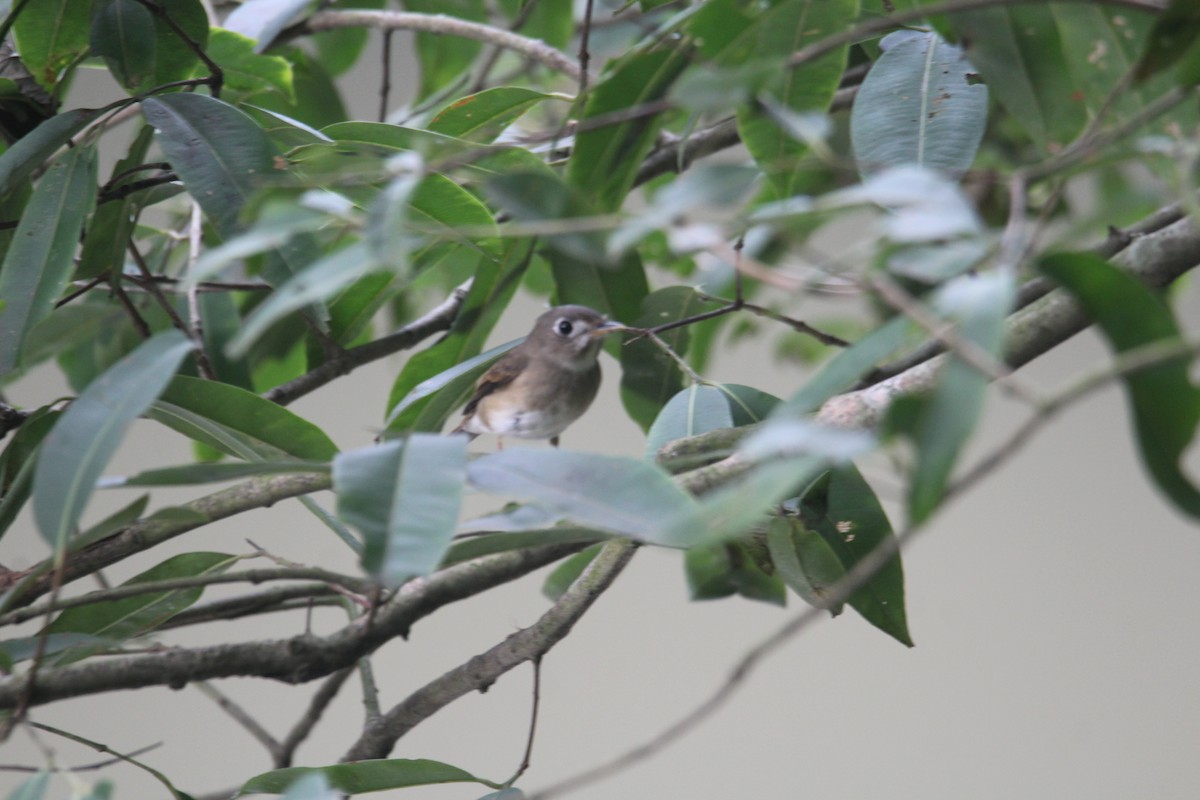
(543, 384)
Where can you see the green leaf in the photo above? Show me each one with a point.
(439, 379)
(540, 197)
(244, 69)
(979, 305)
(476, 546)
(38, 265)
(175, 58)
(778, 32)
(338, 50)
(115, 621)
(364, 776)
(32, 150)
(1165, 402)
(18, 461)
(219, 152)
(566, 573)
(404, 496)
(483, 116)
(650, 377)
(118, 520)
(917, 106)
(1019, 53)
(842, 508)
(747, 404)
(605, 160)
(239, 422)
(445, 59)
(189, 474)
(52, 35)
(1174, 33)
(122, 34)
(699, 408)
(804, 561)
(104, 246)
(616, 291)
(622, 495)
(75, 452)
(32, 788)
(720, 570)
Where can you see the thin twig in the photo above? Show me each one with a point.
(240, 716)
(585, 56)
(385, 88)
(216, 75)
(203, 364)
(316, 709)
(527, 758)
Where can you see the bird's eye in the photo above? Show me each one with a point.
(564, 327)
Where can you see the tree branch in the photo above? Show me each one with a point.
(483, 670)
(294, 660)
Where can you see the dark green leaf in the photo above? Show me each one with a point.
(804, 561)
(606, 159)
(916, 106)
(720, 570)
(190, 474)
(52, 35)
(843, 509)
(566, 573)
(75, 452)
(122, 34)
(114, 621)
(245, 70)
(239, 422)
(114, 522)
(31, 151)
(437, 380)
(650, 377)
(483, 116)
(1166, 405)
(317, 100)
(540, 197)
(1174, 33)
(1019, 53)
(747, 404)
(404, 496)
(622, 495)
(446, 59)
(18, 461)
(979, 304)
(38, 265)
(364, 776)
(219, 153)
(107, 238)
(175, 58)
(476, 546)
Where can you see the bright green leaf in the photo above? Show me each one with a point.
(364, 776)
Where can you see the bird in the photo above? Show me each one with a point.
(543, 384)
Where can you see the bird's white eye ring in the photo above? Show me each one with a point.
(564, 327)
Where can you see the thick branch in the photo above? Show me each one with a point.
(483, 670)
(295, 660)
(448, 26)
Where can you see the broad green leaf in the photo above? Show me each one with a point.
(605, 160)
(239, 422)
(221, 320)
(122, 33)
(720, 570)
(552, 21)
(190, 474)
(650, 377)
(481, 117)
(114, 621)
(75, 452)
(437, 380)
(445, 59)
(219, 153)
(917, 106)
(1175, 32)
(1165, 403)
(339, 49)
(979, 305)
(32, 150)
(175, 59)
(18, 461)
(364, 776)
(444, 392)
(747, 404)
(315, 283)
(38, 265)
(51, 35)
(1019, 53)
(566, 573)
(778, 32)
(804, 561)
(622, 495)
(699, 408)
(404, 497)
(843, 509)
(245, 70)
(387, 240)
(105, 245)
(317, 100)
(542, 198)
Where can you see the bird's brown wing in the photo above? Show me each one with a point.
(502, 373)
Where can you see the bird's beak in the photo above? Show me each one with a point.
(608, 327)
